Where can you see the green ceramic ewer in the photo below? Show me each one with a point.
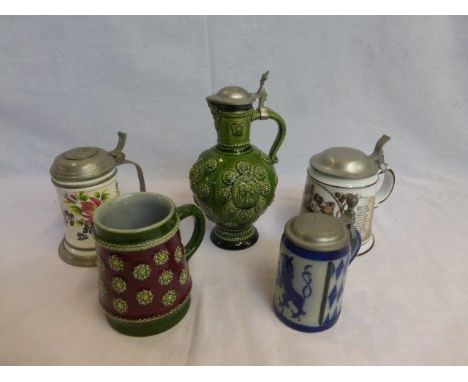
(234, 182)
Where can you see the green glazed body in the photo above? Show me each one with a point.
(234, 182)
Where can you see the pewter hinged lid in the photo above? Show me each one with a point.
(237, 96)
(317, 232)
(87, 163)
(349, 163)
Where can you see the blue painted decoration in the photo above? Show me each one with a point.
(289, 296)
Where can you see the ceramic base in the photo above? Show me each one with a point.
(234, 240)
(77, 257)
(150, 327)
(367, 246)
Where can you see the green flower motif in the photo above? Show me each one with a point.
(261, 204)
(169, 298)
(230, 208)
(195, 172)
(225, 194)
(119, 285)
(210, 165)
(183, 277)
(116, 263)
(178, 254)
(247, 215)
(203, 191)
(264, 188)
(161, 257)
(229, 176)
(120, 305)
(144, 297)
(102, 288)
(259, 172)
(243, 167)
(141, 271)
(166, 277)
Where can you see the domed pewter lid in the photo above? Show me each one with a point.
(317, 232)
(232, 95)
(237, 96)
(86, 163)
(349, 163)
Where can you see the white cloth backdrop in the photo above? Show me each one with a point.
(75, 81)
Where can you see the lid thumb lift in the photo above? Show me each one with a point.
(378, 154)
(262, 96)
(117, 151)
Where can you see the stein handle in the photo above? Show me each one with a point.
(198, 230)
(386, 189)
(355, 242)
(267, 113)
(119, 156)
(349, 218)
(141, 178)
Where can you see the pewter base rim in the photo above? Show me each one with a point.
(88, 259)
(367, 247)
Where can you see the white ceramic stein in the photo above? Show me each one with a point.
(339, 171)
(86, 177)
(315, 253)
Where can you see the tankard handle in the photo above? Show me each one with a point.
(198, 230)
(349, 219)
(355, 243)
(267, 113)
(141, 179)
(386, 188)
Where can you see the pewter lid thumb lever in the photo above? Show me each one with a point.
(378, 154)
(117, 151)
(262, 96)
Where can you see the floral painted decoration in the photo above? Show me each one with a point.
(141, 271)
(119, 285)
(79, 210)
(116, 263)
(169, 298)
(183, 277)
(144, 297)
(161, 257)
(166, 277)
(179, 254)
(120, 305)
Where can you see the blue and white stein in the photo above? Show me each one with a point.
(315, 253)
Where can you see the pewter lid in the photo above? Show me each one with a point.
(86, 163)
(349, 163)
(237, 96)
(232, 95)
(317, 232)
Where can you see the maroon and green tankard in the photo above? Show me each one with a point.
(144, 280)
